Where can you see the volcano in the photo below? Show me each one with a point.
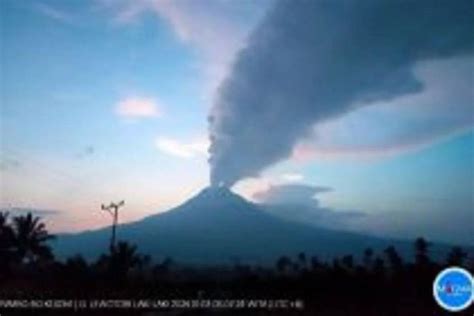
(218, 226)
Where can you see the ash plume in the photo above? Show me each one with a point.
(312, 60)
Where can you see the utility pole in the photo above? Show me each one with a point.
(112, 208)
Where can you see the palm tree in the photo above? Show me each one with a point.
(121, 260)
(6, 243)
(6, 233)
(30, 239)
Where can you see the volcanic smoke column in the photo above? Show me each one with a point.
(313, 60)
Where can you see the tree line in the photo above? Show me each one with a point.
(378, 284)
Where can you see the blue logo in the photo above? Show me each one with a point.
(453, 289)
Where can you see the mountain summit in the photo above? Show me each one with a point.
(216, 192)
(217, 226)
(214, 199)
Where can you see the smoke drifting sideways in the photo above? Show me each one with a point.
(313, 60)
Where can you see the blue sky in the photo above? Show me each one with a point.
(106, 100)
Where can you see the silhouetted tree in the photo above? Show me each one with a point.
(295, 267)
(421, 252)
(336, 265)
(283, 264)
(77, 261)
(121, 260)
(456, 257)
(315, 264)
(302, 259)
(423, 272)
(4, 222)
(348, 262)
(145, 261)
(470, 263)
(164, 267)
(379, 267)
(76, 267)
(6, 244)
(368, 257)
(30, 239)
(394, 259)
(376, 287)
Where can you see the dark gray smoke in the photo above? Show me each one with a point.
(310, 60)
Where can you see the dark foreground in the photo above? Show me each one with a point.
(125, 282)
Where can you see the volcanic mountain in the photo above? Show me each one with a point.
(218, 226)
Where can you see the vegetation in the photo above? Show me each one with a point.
(23, 241)
(380, 284)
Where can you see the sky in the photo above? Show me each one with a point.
(109, 100)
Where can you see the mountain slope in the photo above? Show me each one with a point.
(217, 226)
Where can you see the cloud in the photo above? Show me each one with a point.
(53, 13)
(409, 123)
(298, 203)
(292, 177)
(290, 193)
(215, 29)
(187, 150)
(312, 61)
(138, 107)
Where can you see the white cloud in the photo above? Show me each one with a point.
(217, 29)
(292, 177)
(187, 150)
(53, 13)
(138, 107)
(441, 110)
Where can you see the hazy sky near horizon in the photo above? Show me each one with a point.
(104, 100)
